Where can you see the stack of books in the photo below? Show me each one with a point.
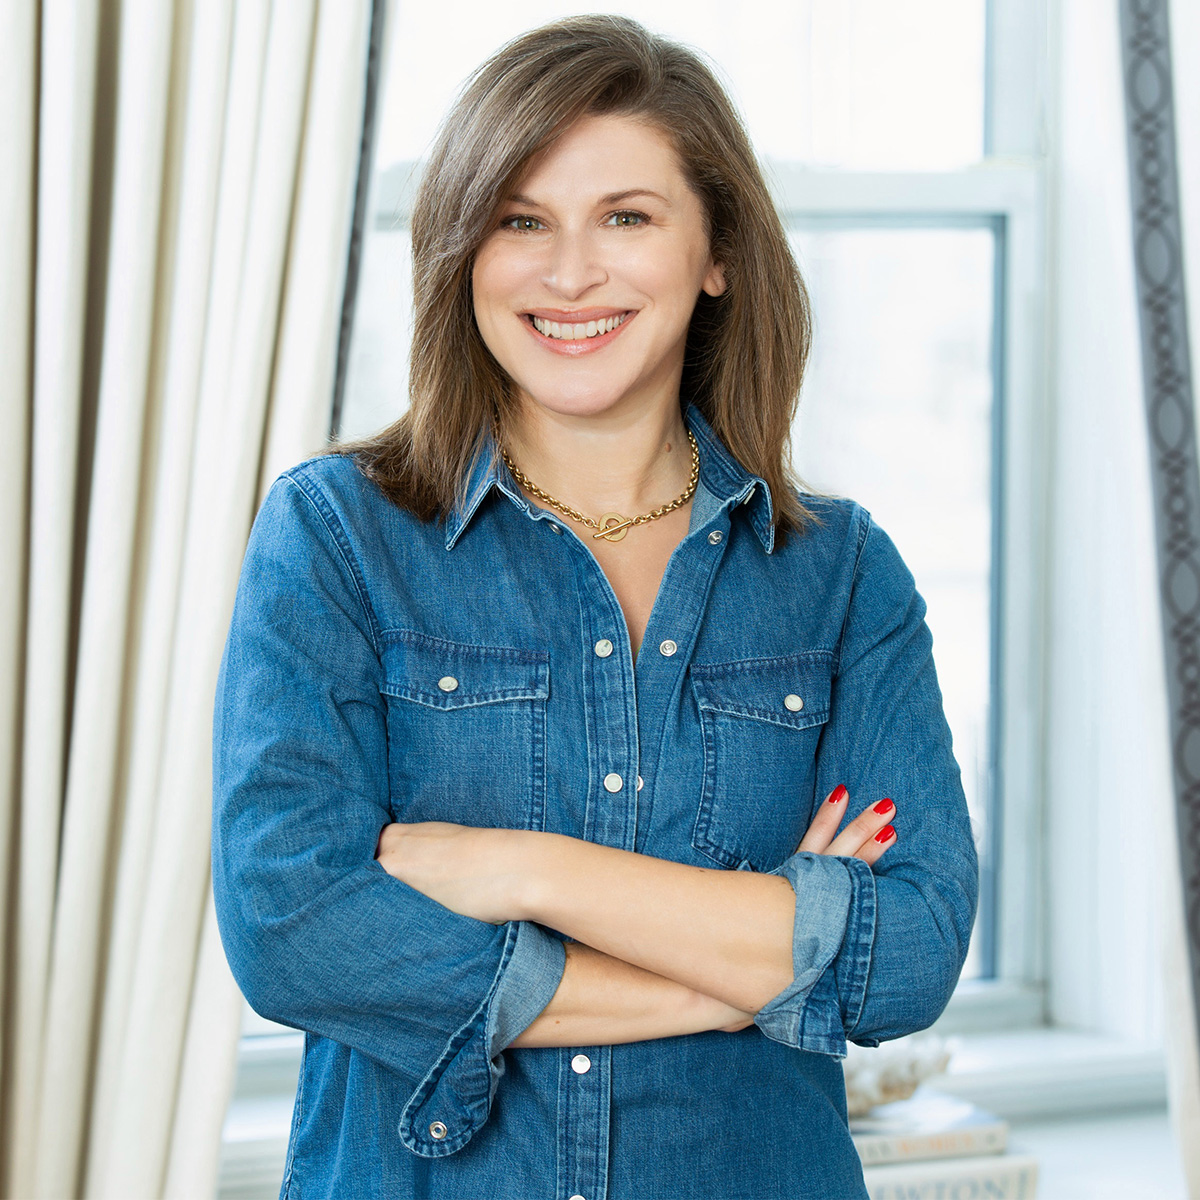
(938, 1147)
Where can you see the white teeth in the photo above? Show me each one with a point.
(577, 332)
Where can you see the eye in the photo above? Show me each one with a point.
(627, 218)
(521, 224)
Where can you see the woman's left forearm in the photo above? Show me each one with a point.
(727, 934)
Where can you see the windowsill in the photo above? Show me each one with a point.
(1024, 1074)
(1019, 1074)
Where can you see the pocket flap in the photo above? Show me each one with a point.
(792, 690)
(446, 674)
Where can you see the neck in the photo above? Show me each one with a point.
(628, 463)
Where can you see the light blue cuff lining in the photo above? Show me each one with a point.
(529, 983)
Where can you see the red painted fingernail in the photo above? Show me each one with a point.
(885, 834)
(839, 794)
(884, 806)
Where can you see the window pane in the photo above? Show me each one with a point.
(868, 84)
(376, 390)
(896, 412)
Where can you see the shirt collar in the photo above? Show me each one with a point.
(729, 481)
(723, 476)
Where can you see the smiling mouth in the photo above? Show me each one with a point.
(576, 332)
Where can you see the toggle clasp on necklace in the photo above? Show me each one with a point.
(613, 527)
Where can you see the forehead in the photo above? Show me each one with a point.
(607, 154)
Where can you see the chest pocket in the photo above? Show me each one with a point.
(761, 721)
(466, 731)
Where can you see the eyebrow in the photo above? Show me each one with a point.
(611, 198)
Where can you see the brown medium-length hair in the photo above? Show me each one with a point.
(746, 349)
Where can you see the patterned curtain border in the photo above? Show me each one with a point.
(1170, 414)
(362, 188)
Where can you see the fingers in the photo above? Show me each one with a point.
(860, 839)
(824, 825)
(869, 836)
(872, 849)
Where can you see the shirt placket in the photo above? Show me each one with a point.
(613, 787)
(584, 1099)
(611, 738)
(670, 640)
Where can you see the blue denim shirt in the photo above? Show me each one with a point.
(330, 722)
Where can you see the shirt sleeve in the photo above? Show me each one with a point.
(877, 952)
(317, 934)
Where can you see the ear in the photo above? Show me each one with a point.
(714, 281)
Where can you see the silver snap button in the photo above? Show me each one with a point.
(639, 783)
(714, 538)
(581, 1064)
(603, 648)
(613, 782)
(437, 1130)
(667, 648)
(448, 683)
(577, 1196)
(554, 528)
(793, 703)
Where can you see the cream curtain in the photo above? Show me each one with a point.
(177, 197)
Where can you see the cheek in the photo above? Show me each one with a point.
(497, 279)
(493, 278)
(674, 279)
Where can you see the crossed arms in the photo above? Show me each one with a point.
(660, 948)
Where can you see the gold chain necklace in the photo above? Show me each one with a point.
(612, 526)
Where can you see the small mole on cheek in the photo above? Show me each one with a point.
(668, 447)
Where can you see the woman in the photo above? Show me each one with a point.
(558, 731)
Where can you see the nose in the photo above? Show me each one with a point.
(574, 264)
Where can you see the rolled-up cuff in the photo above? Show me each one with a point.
(455, 1096)
(528, 985)
(831, 953)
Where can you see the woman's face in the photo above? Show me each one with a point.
(602, 228)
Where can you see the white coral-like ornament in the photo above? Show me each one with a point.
(892, 1070)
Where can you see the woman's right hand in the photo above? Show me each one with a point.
(860, 838)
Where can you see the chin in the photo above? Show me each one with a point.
(580, 404)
